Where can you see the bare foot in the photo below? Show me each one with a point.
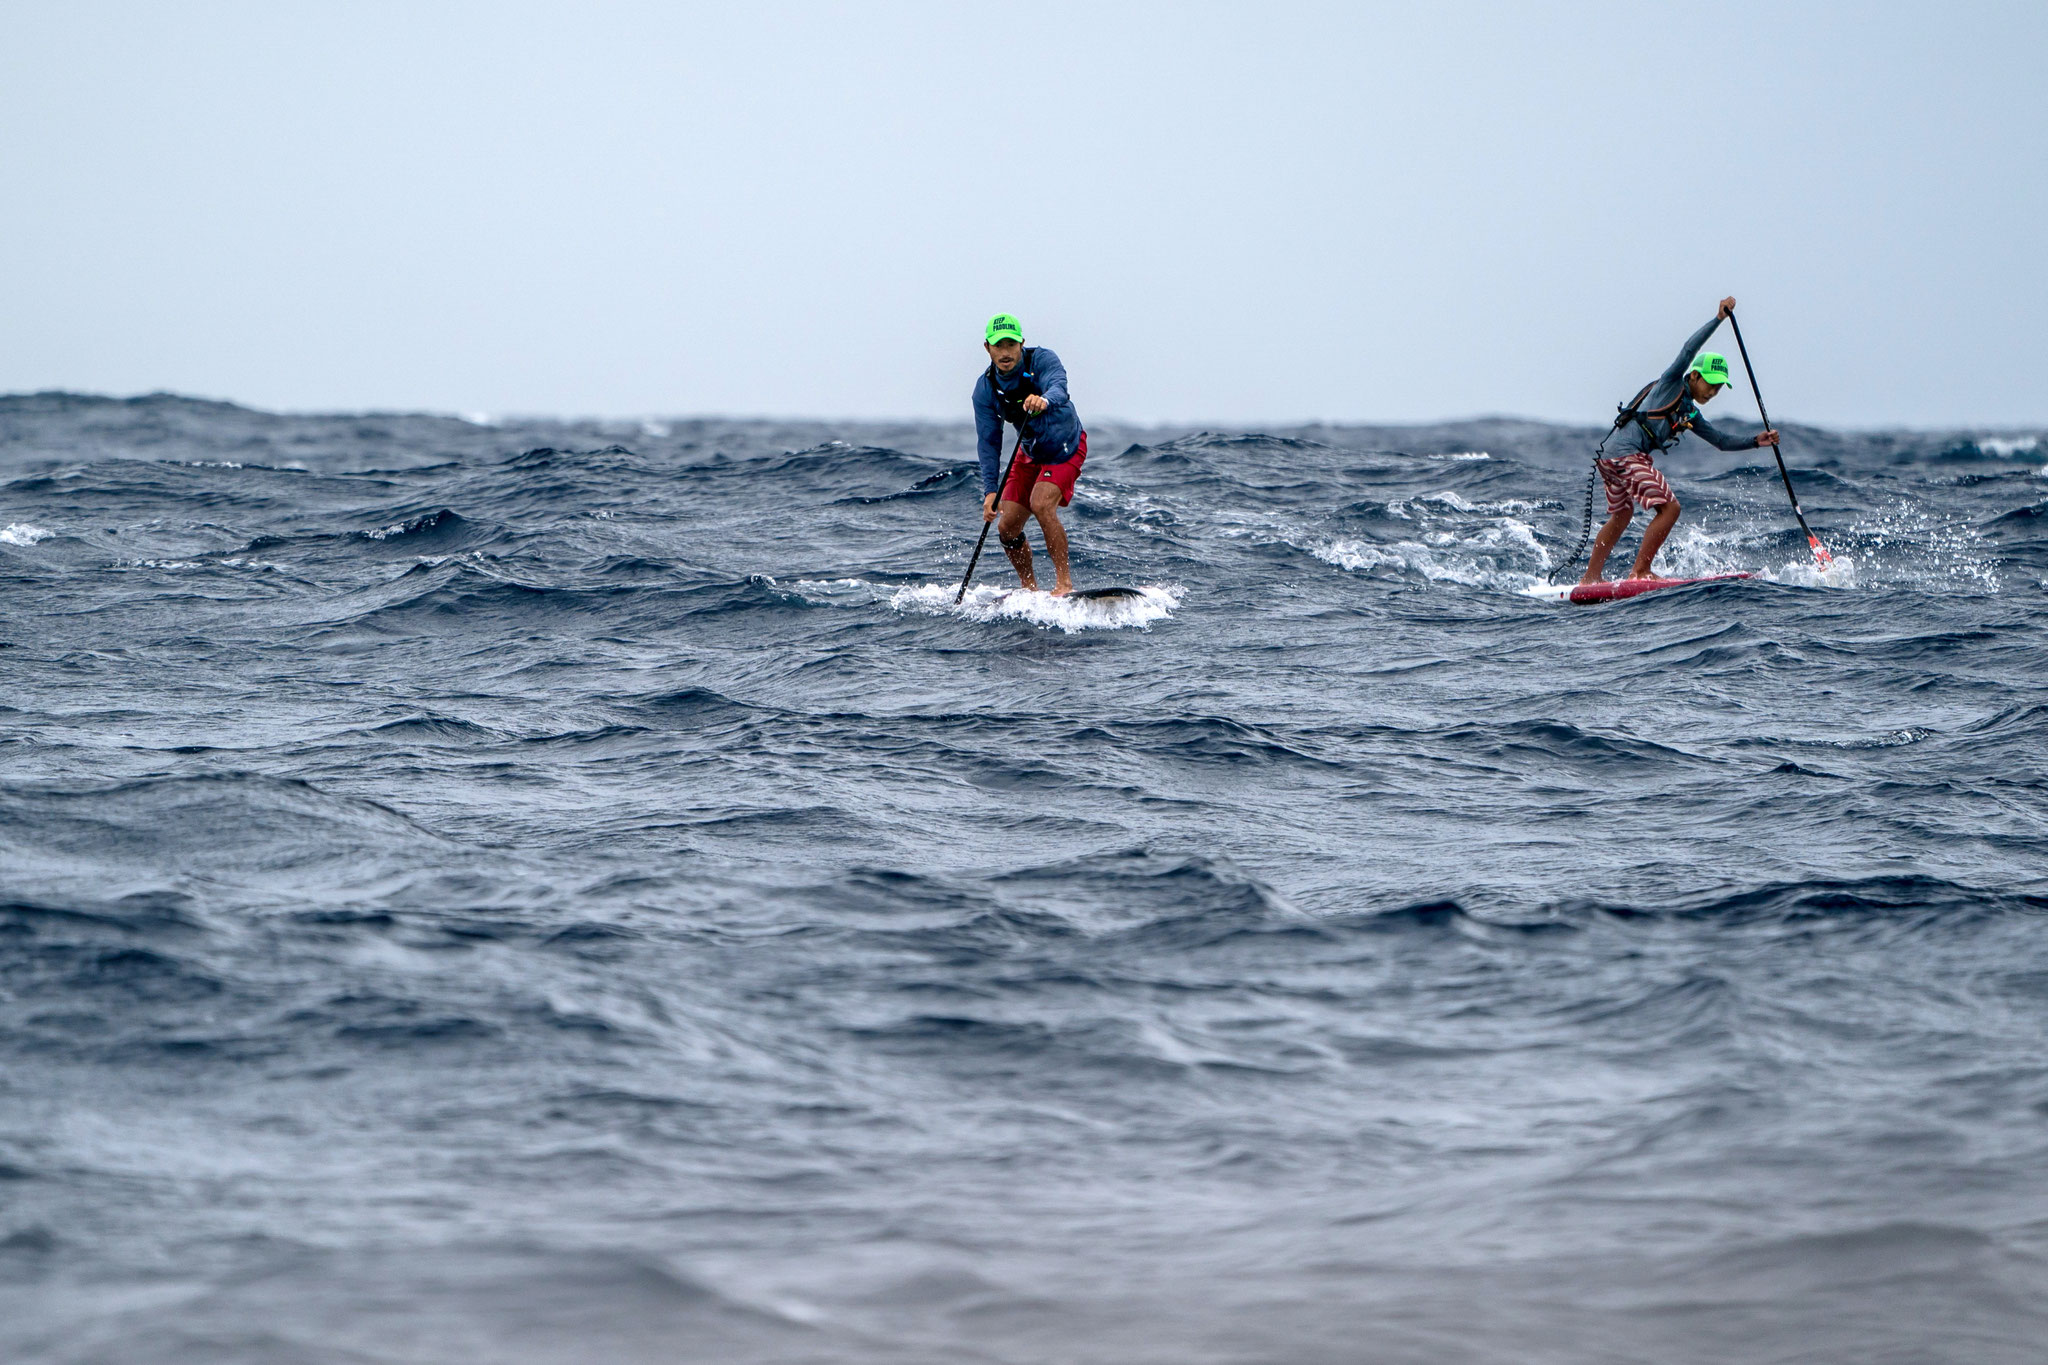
(1062, 588)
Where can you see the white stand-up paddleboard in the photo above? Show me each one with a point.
(1622, 587)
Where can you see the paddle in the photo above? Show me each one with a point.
(968, 577)
(1820, 551)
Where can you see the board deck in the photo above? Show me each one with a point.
(1615, 589)
(1083, 594)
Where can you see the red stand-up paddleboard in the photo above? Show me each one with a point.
(1622, 587)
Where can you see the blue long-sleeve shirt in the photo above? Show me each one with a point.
(1670, 387)
(1050, 437)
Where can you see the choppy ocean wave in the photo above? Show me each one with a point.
(552, 891)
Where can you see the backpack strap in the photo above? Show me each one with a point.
(1633, 411)
(1624, 413)
(1010, 406)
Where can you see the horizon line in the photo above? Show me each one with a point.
(487, 420)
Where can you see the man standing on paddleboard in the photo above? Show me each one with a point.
(1026, 387)
(1665, 409)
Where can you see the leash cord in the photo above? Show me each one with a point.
(1586, 521)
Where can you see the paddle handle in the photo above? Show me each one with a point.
(1820, 552)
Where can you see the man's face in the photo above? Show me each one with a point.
(1006, 354)
(1701, 389)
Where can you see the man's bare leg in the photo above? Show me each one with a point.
(1045, 505)
(1010, 530)
(1603, 544)
(1653, 539)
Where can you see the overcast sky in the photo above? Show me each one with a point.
(1238, 214)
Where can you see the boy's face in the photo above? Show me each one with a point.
(1701, 389)
(1005, 353)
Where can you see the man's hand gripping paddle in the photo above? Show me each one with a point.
(968, 577)
(1820, 551)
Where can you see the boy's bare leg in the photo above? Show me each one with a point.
(1603, 544)
(1653, 539)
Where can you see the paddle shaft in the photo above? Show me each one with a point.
(1819, 551)
(968, 577)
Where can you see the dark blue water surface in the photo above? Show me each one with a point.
(563, 892)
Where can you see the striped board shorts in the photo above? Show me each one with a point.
(1633, 479)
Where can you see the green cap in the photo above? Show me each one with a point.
(1711, 366)
(1003, 327)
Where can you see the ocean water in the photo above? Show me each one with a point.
(562, 892)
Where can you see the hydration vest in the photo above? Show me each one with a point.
(1681, 422)
(1010, 405)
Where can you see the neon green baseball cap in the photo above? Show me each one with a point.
(1004, 327)
(1711, 366)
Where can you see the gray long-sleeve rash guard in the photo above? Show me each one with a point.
(1670, 386)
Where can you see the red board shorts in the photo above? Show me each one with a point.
(1633, 479)
(1024, 473)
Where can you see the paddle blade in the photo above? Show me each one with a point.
(1820, 551)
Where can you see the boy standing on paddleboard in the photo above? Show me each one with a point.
(1660, 414)
(1026, 387)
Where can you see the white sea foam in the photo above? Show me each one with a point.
(227, 562)
(1143, 511)
(1462, 455)
(1154, 602)
(395, 529)
(1699, 551)
(1458, 502)
(1905, 541)
(837, 587)
(21, 533)
(2008, 445)
(1807, 573)
(1720, 547)
(1455, 540)
(1491, 556)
